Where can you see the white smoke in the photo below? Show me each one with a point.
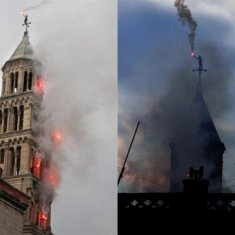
(78, 52)
(38, 5)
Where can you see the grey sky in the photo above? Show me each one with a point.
(76, 42)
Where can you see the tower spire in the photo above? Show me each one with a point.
(200, 68)
(196, 142)
(26, 23)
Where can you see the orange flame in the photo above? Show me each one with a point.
(56, 136)
(193, 53)
(38, 86)
(37, 163)
(53, 176)
(43, 219)
(44, 216)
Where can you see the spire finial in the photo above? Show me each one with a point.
(26, 23)
(200, 66)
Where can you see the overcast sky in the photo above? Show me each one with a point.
(156, 81)
(76, 42)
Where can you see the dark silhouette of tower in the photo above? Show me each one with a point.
(196, 143)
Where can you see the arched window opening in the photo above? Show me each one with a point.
(5, 118)
(32, 213)
(25, 80)
(2, 156)
(12, 83)
(32, 162)
(37, 220)
(18, 159)
(16, 82)
(11, 161)
(3, 86)
(21, 114)
(15, 118)
(0, 121)
(30, 81)
(41, 173)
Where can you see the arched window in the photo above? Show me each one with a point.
(3, 86)
(25, 80)
(2, 156)
(30, 81)
(21, 115)
(5, 118)
(0, 121)
(15, 118)
(32, 162)
(18, 158)
(42, 168)
(32, 213)
(16, 82)
(37, 220)
(11, 83)
(11, 161)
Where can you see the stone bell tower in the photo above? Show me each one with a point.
(20, 162)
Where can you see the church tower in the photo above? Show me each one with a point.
(196, 143)
(20, 162)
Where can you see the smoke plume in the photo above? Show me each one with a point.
(48, 143)
(37, 6)
(79, 62)
(185, 16)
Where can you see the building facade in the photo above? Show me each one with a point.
(20, 161)
(13, 204)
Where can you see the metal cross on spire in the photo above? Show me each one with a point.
(26, 23)
(200, 67)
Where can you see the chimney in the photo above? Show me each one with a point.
(195, 191)
(195, 184)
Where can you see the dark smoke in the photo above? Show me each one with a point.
(185, 16)
(148, 166)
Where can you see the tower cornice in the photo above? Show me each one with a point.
(21, 62)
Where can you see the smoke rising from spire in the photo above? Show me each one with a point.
(148, 166)
(185, 16)
(37, 6)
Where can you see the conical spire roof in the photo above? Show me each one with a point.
(196, 143)
(24, 49)
(200, 116)
(196, 128)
